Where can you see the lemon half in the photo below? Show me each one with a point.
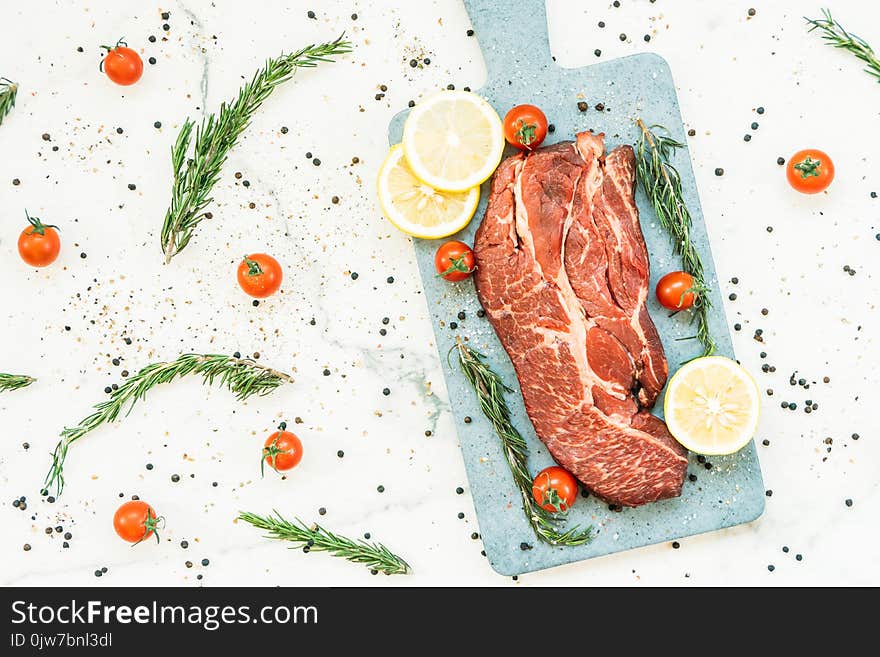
(453, 140)
(712, 406)
(418, 209)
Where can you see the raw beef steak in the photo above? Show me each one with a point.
(562, 272)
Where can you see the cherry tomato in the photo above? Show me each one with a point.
(810, 171)
(675, 291)
(282, 451)
(39, 243)
(136, 521)
(454, 261)
(554, 489)
(525, 126)
(259, 275)
(122, 64)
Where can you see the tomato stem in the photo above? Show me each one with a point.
(551, 497)
(808, 167)
(38, 226)
(151, 525)
(119, 42)
(272, 451)
(525, 134)
(254, 268)
(109, 49)
(457, 265)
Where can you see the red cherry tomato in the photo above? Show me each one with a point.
(259, 275)
(454, 261)
(525, 126)
(282, 450)
(554, 489)
(675, 291)
(810, 171)
(39, 243)
(122, 64)
(136, 521)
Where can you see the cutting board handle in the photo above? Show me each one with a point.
(512, 34)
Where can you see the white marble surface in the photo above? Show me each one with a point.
(821, 321)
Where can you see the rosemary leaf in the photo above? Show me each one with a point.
(14, 381)
(315, 538)
(8, 92)
(490, 391)
(662, 184)
(241, 376)
(836, 35)
(196, 175)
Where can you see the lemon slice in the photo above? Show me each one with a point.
(712, 406)
(453, 140)
(418, 209)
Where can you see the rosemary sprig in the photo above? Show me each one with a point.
(196, 175)
(662, 185)
(490, 391)
(241, 376)
(315, 538)
(8, 92)
(836, 35)
(14, 381)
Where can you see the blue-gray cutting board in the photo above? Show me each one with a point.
(516, 47)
